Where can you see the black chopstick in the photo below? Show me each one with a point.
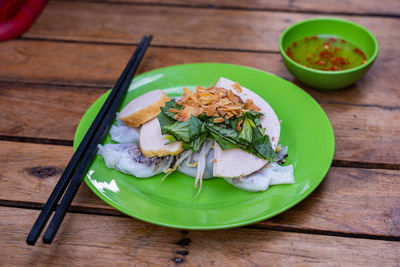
(90, 153)
(105, 115)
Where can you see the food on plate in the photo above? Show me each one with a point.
(189, 166)
(124, 134)
(143, 108)
(152, 141)
(237, 162)
(225, 131)
(128, 158)
(262, 179)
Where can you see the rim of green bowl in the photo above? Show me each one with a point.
(369, 62)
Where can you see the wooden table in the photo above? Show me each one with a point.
(76, 50)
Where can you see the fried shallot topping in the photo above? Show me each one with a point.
(237, 87)
(214, 101)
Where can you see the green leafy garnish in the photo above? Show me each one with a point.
(170, 105)
(196, 143)
(231, 135)
(164, 120)
(246, 135)
(180, 130)
(195, 130)
(262, 145)
(170, 139)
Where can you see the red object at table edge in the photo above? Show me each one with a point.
(17, 16)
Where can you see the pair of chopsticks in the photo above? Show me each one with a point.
(85, 153)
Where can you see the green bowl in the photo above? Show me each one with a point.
(329, 80)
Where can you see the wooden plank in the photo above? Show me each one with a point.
(367, 134)
(363, 133)
(358, 201)
(49, 112)
(184, 27)
(90, 240)
(63, 63)
(385, 8)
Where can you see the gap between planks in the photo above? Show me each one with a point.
(100, 42)
(103, 212)
(210, 6)
(35, 140)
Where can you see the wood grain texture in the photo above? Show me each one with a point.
(357, 201)
(92, 240)
(362, 133)
(91, 65)
(367, 134)
(49, 112)
(385, 8)
(184, 27)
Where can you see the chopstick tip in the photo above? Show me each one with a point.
(30, 242)
(47, 240)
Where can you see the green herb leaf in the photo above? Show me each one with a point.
(228, 134)
(180, 130)
(196, 143)
(246, 135)
(257, 123)
(251, 123)
(168, 105)
(232, 122)
(184, 131)
(202, 117)
(195, 126)
(223, 143)
(170, 139)
(263, 146)
(251, 114)
(225, 137)
(164, 121)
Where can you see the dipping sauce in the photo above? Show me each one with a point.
(327, 53)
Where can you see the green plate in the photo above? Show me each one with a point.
(173, 203)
